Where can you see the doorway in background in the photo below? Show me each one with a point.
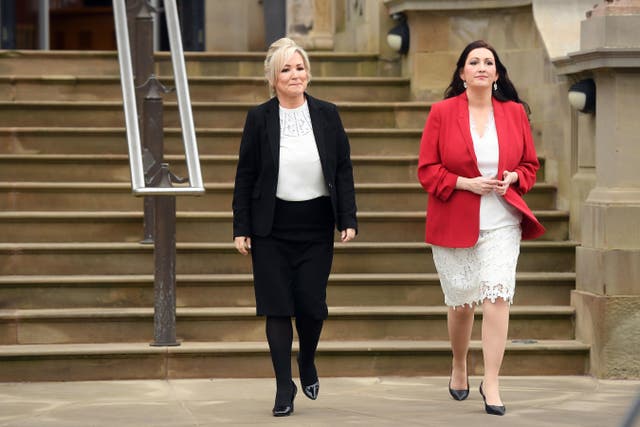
(88, 25)
(81, 25)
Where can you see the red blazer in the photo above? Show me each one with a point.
(446, 152)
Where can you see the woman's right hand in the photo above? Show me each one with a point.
(479, 185)
(243, 244)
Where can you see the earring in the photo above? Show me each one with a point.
(464, 84)
(495, 85)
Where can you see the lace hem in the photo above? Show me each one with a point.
(487, 292)
(493, 292)
(469, 276)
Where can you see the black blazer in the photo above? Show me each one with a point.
(254, 194)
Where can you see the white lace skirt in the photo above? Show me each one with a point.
(485, 271)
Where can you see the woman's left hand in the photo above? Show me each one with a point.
(347, 235)
(508, 179)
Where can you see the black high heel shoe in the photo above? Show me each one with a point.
(492, 409)
(284, 409)
(459, 394)
(310, 387)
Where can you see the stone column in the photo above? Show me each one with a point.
(607, 295)
(311, 23)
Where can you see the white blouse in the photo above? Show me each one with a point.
(495, 212)
(300, 174)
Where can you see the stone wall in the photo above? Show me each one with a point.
(333, 25)
(607, 295)
(362, 26)
(234, 26)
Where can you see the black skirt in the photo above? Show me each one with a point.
(291, 266)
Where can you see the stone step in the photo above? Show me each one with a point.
(241, 64)
(215, 168)
(213, 114)
(222, 258)
(110, 226)
(104, 325)
(232, 88)
(236, 290)
(113, 196)
(124, 361)
(386, 307)
(211, 141)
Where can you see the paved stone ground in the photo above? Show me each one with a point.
(386, 401)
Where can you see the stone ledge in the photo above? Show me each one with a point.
(398, 6)
(593, 59)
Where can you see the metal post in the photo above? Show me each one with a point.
(152, 122)
(163, 209)
(164, 316)
(156, 26)
(143, 60)
(159, 211)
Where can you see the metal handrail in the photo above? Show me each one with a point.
(138, 184)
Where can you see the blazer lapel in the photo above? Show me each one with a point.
(502, 131)
(318, 128)
(273, 130)
(463, 123)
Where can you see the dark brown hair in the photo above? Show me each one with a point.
(506, 90)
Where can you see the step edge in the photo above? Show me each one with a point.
(351, 246)
(324, 347)
(183, 313)
(244, 277)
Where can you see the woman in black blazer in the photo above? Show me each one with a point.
(294, 185)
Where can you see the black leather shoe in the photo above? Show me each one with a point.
(310, 386)
(459, 394)
(284, 409)
(311, 391)
(492, 409)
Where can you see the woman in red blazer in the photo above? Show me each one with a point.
(477, 159)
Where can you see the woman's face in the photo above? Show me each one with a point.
(292, 78)
(479, 69)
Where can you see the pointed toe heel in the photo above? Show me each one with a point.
(284, 409)
(311, 391)
(459, 394)
(492, 409)
(495, 409)
(310, 386)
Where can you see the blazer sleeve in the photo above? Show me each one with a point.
(529, 163)
(246, 173)
(345, 188)
(432, 174)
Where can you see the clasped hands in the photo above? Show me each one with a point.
(482, 185)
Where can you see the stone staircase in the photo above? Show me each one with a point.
(76, 286)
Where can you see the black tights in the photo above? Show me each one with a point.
(280, 338)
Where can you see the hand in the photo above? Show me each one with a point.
(479, 185)
(347, 235)
(243, 244)
(508, 179)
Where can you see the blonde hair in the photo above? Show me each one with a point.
(279, 52)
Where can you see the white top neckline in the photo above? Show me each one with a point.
(300, 175)
(495, 212)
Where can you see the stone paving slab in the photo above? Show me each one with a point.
(386, 401)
